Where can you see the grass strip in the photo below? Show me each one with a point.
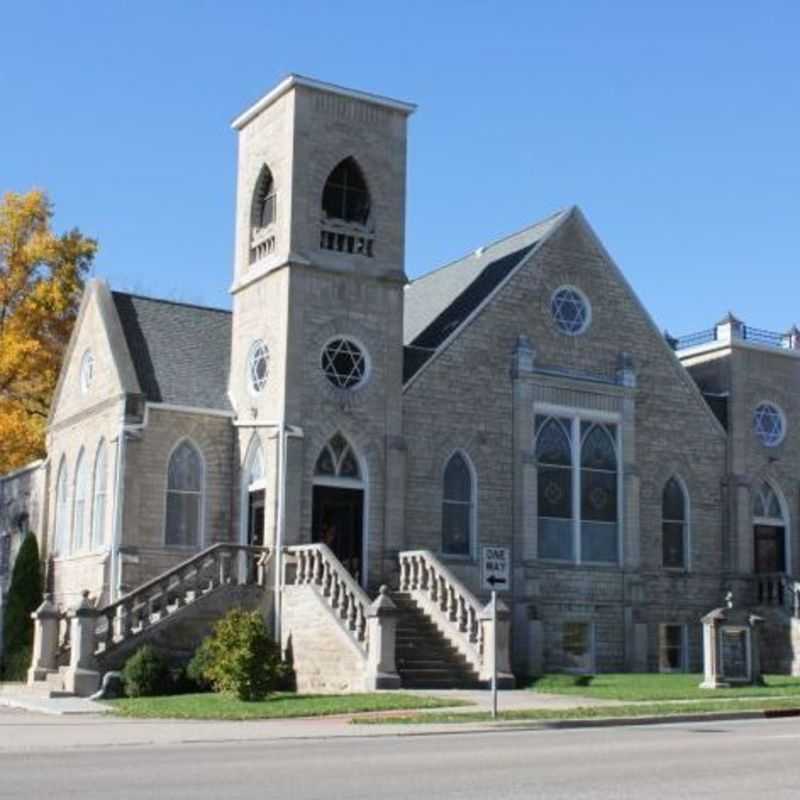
(584, 713)
(278, 706)
(652, 687)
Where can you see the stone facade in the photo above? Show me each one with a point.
(499, 361)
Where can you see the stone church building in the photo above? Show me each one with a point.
(520, 397)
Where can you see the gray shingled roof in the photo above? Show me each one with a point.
(181, 352)
(437, 303)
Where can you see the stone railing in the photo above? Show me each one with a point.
(779, 591)
(219, 565)
(315, 564)
(444, 598)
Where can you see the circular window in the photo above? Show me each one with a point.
(571, 310)
(344, 363)
(87, 371)
(769, 424)
(257, 366)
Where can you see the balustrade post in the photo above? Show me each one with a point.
(404, 574)
(81, 677)
(381, 636)
(45, 640)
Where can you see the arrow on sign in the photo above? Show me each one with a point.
(493, 580)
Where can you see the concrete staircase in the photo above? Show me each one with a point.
(425, 658)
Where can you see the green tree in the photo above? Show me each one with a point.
(24, 597)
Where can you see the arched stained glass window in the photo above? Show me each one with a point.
(79, 511)
(598, 494)
(457, 507)
(185, 486)
(673, 525)
(346, 196)
(554, 487)
(337, 460)
(100, 495)
(769, 530)
(62, 510)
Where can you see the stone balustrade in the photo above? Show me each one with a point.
(778, 591)
(315, 564)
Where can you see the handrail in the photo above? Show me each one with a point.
(443, 594)
(318, 566)
(174, 588)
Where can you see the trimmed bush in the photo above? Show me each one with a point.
(24, 597)
(239, 657)
(146, 674)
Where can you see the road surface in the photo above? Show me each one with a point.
(753, 760)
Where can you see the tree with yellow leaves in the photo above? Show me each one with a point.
(42, 277)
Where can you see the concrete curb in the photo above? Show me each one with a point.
(57, 707)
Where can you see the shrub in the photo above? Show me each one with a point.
(24, 597)
(239, 657)
(16, 665)
(146, 674)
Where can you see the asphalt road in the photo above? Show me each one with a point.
(752, 760)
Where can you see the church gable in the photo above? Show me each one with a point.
(96, 364)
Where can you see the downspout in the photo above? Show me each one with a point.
(279, 530)
(119, 495)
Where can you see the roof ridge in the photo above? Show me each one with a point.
(171, 302)
(493, 243)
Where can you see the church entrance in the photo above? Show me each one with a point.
(338, 522)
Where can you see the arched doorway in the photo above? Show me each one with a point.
(338, 516)
(253, 495)
(769, 530)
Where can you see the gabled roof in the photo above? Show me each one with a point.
(437, 303)
(181, 352)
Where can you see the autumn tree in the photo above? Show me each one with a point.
(42, 276)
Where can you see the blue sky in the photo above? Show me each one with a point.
(675, 126)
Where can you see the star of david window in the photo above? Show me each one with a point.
(571, 311)
(344, 363)
(257, 366)
(768, 424)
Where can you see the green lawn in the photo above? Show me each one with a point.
(590, 712)
(277, 706)
(650, 687)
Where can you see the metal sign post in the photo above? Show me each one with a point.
(494, 654)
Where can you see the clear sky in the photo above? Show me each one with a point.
(674, 125)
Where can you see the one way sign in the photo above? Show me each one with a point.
(496, 568)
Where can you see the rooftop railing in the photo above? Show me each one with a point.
(730, 329)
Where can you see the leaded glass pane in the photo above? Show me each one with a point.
(457, 479)
(554, 495)
(598, 495)
(456, 524)
(597, 451)
(672, 544)
(556, 539)
(599, 542)
(349, 465)
(255, 471)
(338, 445)
(344, 363)
(758, 506)
(673, 505)
(185, 471)
(325, 465)
(183, 519)
(258, 366)
(774, 507)
(81, 488)
(552, 443)
(768, 424)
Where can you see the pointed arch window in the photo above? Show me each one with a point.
(674, 525)
(337, 460)
(577, 489)
(79, 512)
(346, 196)
(100, 497)
(62, 510)
(185, 488)
(769, 530)
(458, 507)
(264, 199)
(254, 470)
